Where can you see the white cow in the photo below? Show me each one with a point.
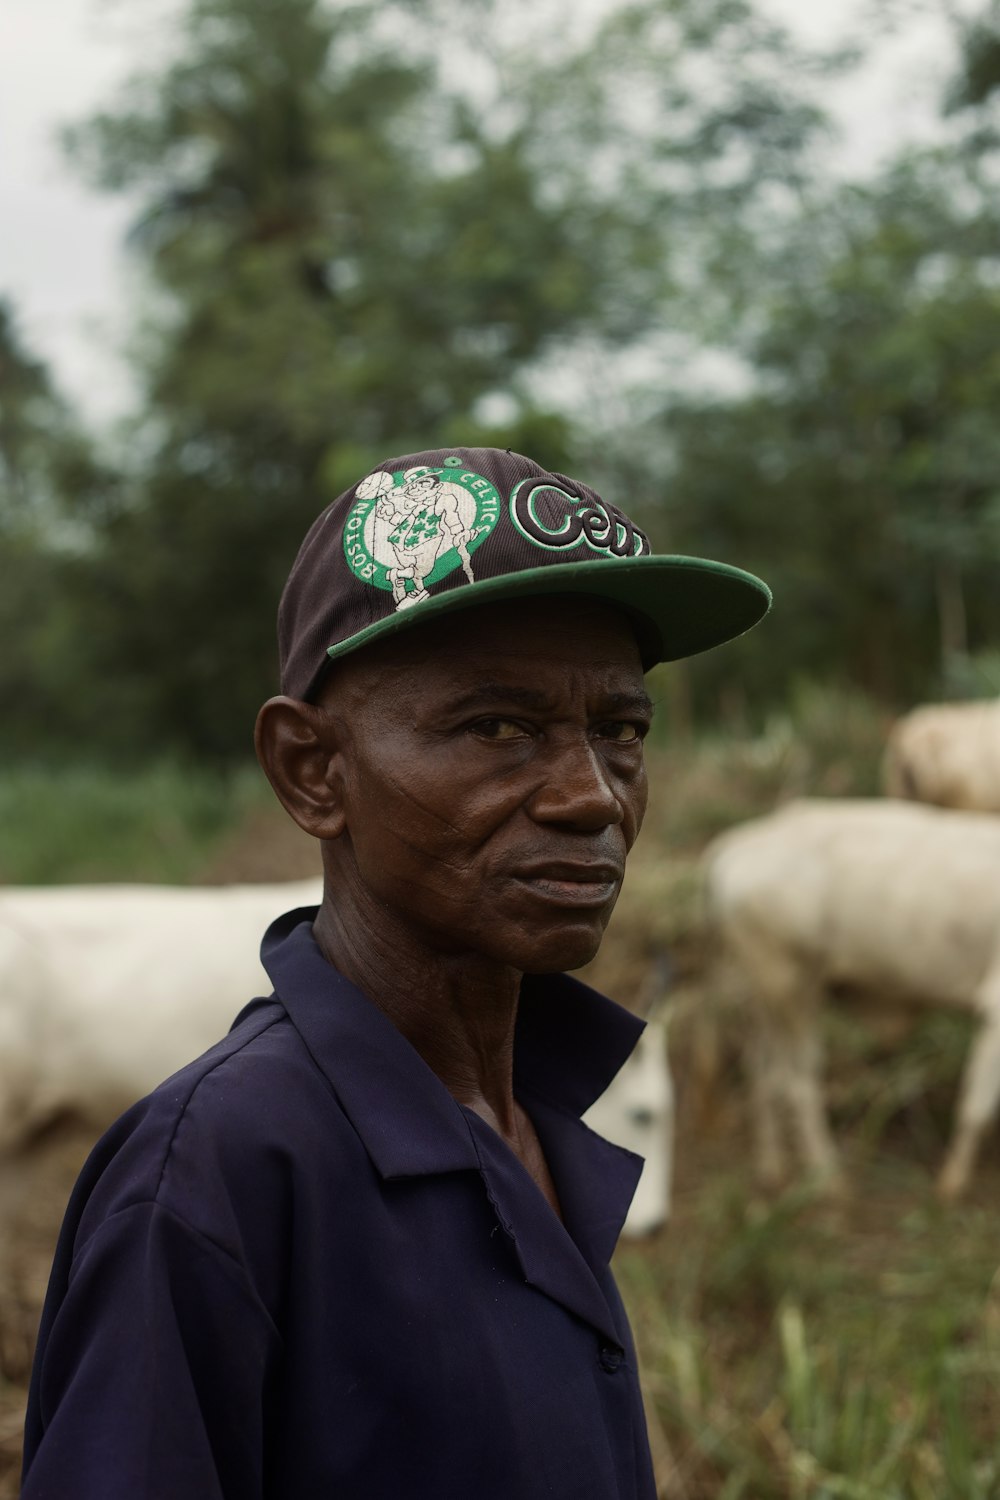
(948, 754)
(637, 1111)
(886, 897)
(107, 990)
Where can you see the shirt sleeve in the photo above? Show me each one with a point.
(152, 1381)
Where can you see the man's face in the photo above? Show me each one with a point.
(494, 778)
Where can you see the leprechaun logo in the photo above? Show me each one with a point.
(407, 530)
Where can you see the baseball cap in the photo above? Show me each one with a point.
(433, 533)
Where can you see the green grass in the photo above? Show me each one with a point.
(791, 1350)
(86, 823)
(828, 743)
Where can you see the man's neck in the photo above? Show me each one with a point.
(458, 1010)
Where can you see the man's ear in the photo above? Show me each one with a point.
(298, 746)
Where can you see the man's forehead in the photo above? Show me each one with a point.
(523, 645)
(609, 695)
(515, 638)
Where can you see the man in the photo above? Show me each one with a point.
(360, 1249)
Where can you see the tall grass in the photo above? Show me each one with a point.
(827, 742)
(85, 823)
(791, 1353)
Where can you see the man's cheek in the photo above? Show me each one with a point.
(412, 853)
(426, 811)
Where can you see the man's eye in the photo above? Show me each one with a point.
(622, 732)
(497, 729)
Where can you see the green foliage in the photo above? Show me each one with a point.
(825, 741)
(353, 261)
(978, 75)
(364, 241)
(973, 674)
(841, 733)
(790, 1352)
(29, 411)
(368, 229)
(895, 1080)
(859, 475)
(50, 479)
(84, 823)
(54, 492)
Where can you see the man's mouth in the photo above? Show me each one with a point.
(571, 882)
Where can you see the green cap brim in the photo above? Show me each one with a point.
(678, 605)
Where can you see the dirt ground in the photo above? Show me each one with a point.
(33, 1196)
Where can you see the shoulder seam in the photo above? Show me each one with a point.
(220, 1250)
(182, 1111)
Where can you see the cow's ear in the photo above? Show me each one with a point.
(299, 749)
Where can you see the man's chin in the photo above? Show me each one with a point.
(562, 953)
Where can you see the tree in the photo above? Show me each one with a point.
(860, 473)
(49, 476)
(53, 490)
(356, 252)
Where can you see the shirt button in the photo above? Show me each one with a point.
(610, 1357)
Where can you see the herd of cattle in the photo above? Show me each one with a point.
(106, 990)
(889, 897)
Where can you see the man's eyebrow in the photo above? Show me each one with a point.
(518, 695)
(492, 694)
(628, 703)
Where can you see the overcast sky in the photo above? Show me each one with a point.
(61, 256)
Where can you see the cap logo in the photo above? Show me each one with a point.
(408, 529)
(553, 518)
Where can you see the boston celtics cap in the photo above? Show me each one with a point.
(433, 533)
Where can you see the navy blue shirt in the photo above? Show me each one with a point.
(301, 1270)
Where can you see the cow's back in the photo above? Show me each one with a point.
(883, 894)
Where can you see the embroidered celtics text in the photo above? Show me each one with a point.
(552, 517)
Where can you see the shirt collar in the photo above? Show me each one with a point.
(569, 1043)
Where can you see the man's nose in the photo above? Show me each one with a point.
(576, 789)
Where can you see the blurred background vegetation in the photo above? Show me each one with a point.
(631, 250)
(367, 228)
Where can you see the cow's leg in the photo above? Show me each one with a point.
(804, 1096)
(762, 982)
(747, 1005)
(785, 1065)
(979, 1095)
(764, 1055)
